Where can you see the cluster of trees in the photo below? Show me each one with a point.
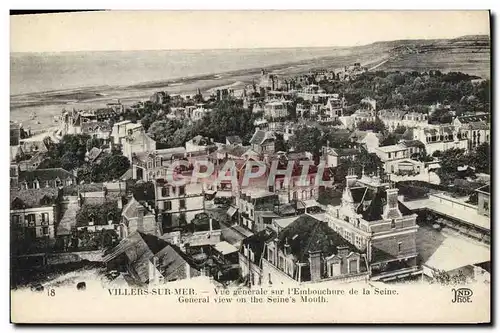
(70, 154)
(228, 117)
(415, 89)
(376, 126)
(451, 159)
(312, 139)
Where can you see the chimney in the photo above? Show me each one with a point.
(140, 218)
(391, 209)
(153, 276)
(351, 180)
(315, 265)
(343, 251)
(287, 247)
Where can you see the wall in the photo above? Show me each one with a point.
(390, 244)
(277, 277)
(23, 221)
(63, 258)
(482, 201)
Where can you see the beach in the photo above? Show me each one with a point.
(48, 104)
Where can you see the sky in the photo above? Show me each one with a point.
(170, 30)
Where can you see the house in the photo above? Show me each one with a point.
(97, 130)
(34, 213)
(335, 106)
(252, 201)
(137, 141)
(397, 159)
(250, 255)
(138, 217)
(438, 137)
(368, 139)
(334, 156)
(42, 178)
(154, 164)
(371, 217)
(309, 251)
(93, 155)
(415, 119)
(483, 200)
(234, 140)
(202, 231)
(463, 120)
(275, 110)
(151, 260)
(123, 129)
(476, 128)
(32, 163)
(198, 113)
(392, 119)
(198, 143)
(177, 206)
(262, 142)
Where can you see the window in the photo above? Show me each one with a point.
(486, 206)
(165, 192)
(182, 204)
(31, 220)
(45, 218)
(393, 224)
(45, 230)
(400, 247)
(168, 205)
(389, 155)
(182, 190)
(15, 219)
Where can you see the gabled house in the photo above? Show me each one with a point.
(34, 213)
(262, 142)
(309, 251)
(138, 217)
(42, 178)
(150, 260)
(371, 217)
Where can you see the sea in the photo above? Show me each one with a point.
(43, 84)
(42, 72)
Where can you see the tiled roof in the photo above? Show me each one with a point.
(32, 198)
(45, 174)
(95, 126)
(234, 139)
(474, 118)
(257, 241)
(478, 125)
(308, 234)
(130, 210)
(94, 153)
(258, 137)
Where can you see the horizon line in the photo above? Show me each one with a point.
(253, 48)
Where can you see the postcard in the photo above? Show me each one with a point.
(250, 167)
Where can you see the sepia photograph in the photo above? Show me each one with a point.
(250, 167)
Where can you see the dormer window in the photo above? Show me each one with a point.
(91, 219)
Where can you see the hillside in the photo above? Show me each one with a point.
(468, 54)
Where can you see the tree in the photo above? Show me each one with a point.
(389, 140)
(376, 126)
(163, 131)
(279, 143)
(307, 139)
(93, 142)
(112, 167)
(480, 158)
